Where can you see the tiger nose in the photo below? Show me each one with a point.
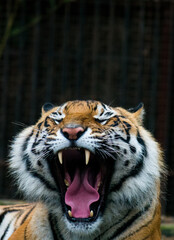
(73, 133)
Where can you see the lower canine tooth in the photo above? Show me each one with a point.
(70, 213)
(66, 182)
(91, 213)
(98, 185)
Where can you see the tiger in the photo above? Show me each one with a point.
(89, 171)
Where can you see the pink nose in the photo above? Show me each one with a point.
(73, 133)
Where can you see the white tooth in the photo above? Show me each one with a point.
(87, 156)
(66, 182)
(98, 185)
(91, 213)
(70, 213)
(60, 157)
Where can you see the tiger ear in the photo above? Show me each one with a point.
(46, 107)
(138, 112)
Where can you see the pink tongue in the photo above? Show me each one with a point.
(80, 195)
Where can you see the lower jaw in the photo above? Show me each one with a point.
(82, 228)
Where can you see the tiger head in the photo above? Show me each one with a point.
(87, 162)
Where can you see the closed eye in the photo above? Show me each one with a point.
(102, 121)
(56, 117)
(58, 121)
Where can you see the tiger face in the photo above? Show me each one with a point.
(88, 163)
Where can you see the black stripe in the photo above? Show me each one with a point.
(33, 172)
(26, 216)
(27, 140)
(27, 162)
(104, 106)
(95, 108)
(18, 216)
(126, 126)
(44, 181)
(36, 143)
(141, 141)
(39, 125)
(146, 237)
(80, 104)
(25, 233)
(135, 109)
(115, 124)
(66, 107)
(49, 140)
(15, 206)
(46, 124)
(52, 227)
(7, 228)
(56, 234)
(98, 131)
(108, 114)
(135, 171)
(129, 223)
(133, 149)
(6, 231)
(2, 216)
(145, 225)
(118, 222)
(127, 140)
(88, 104)
(116, 120)
(121, 116)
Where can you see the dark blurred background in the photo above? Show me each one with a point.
(118, 51)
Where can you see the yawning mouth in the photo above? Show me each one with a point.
(83, 179)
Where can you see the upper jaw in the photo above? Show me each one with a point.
(87, 155)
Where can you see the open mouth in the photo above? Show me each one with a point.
(82, 178)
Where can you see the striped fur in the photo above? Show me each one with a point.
(129, 168)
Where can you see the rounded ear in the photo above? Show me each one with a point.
(46, 107)
(138, 112)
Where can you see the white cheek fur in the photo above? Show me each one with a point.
(32, 187)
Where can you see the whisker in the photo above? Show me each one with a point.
(19, 124)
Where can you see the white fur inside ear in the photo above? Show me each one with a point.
(139, 114)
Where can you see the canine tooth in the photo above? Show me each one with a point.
(70, 213)
(66, 182)
(91, 213)
(87, 156)
(60, 157)
(98, 185)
